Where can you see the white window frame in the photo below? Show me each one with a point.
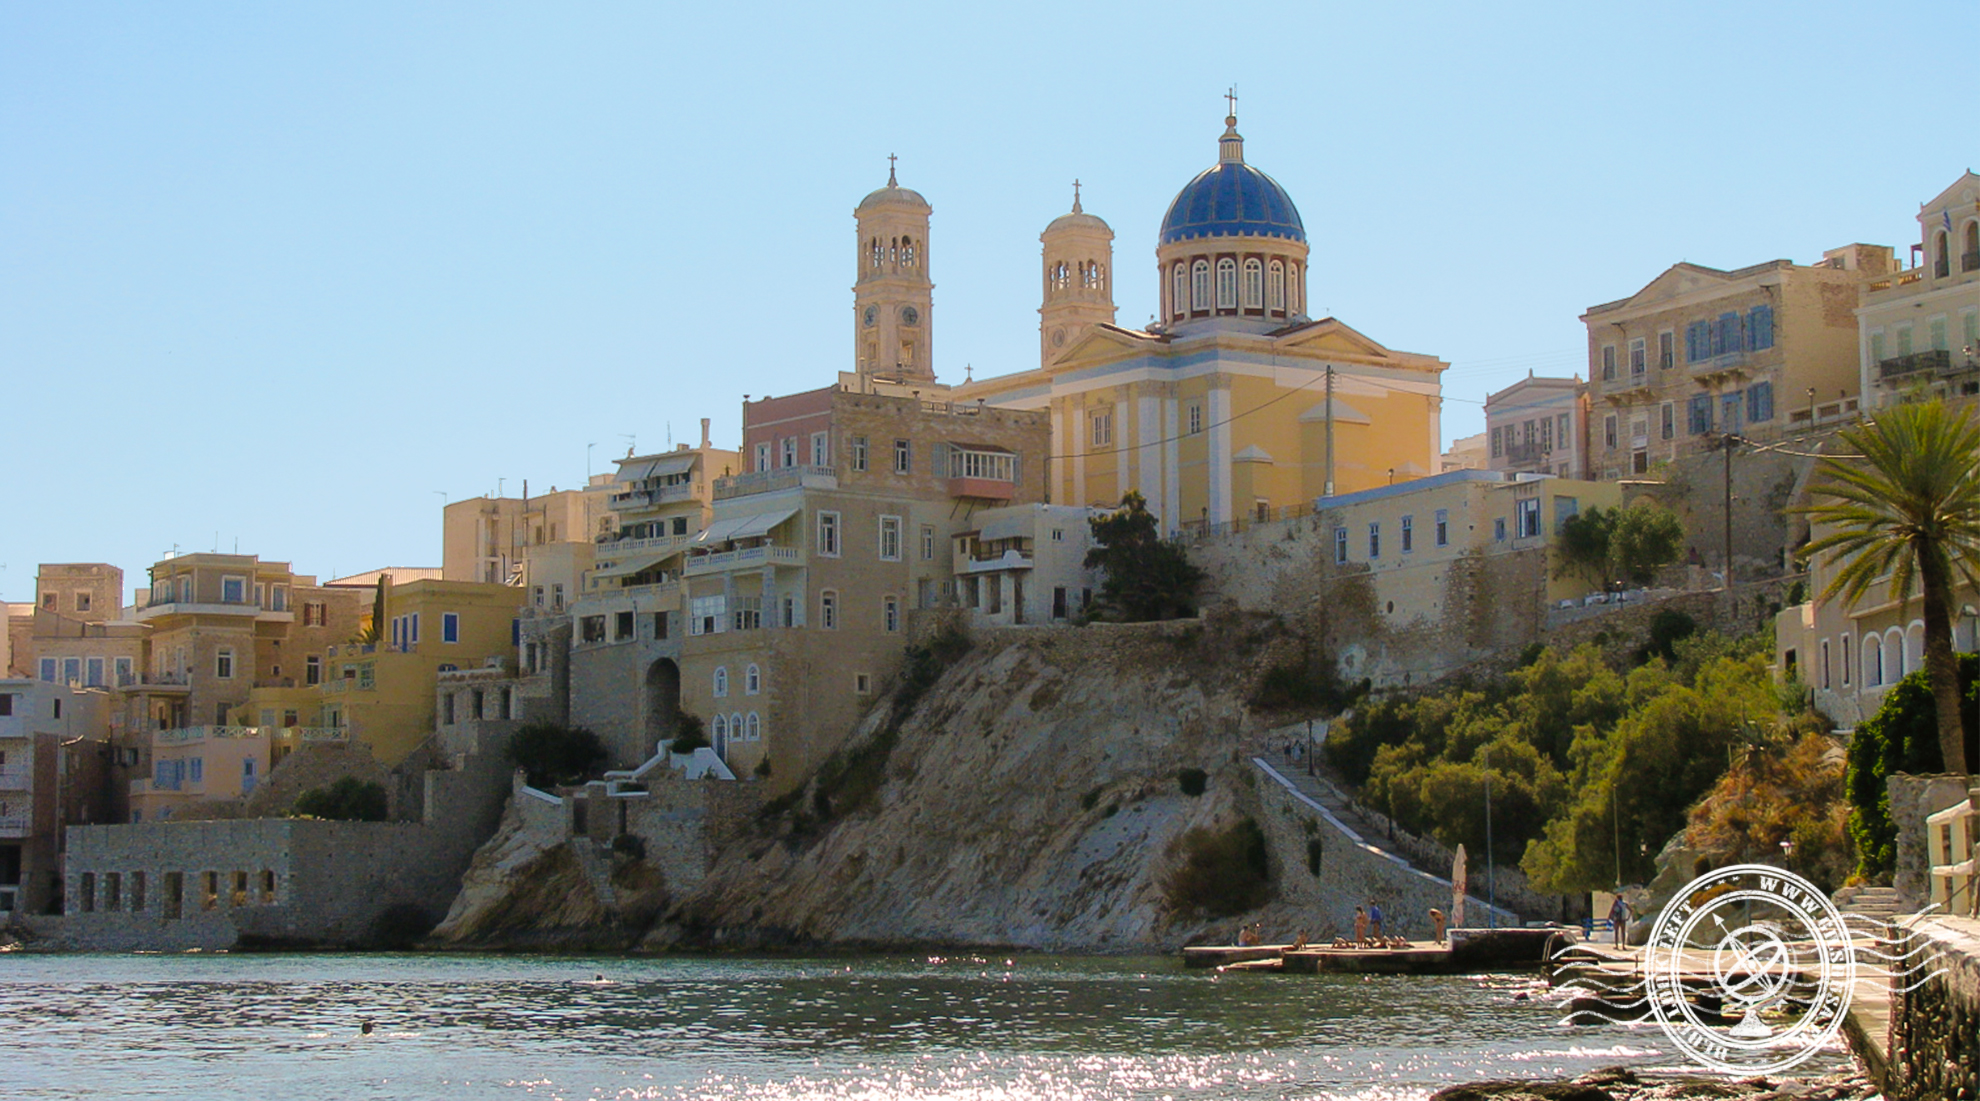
(890, 539)
(1443, 521)
(1340, 546)
(829, 530)
(1195, 417)
(752, 679)
(858, 453)
(1227, 291)
(1102, 424)
(223, 663)
(1199, 287)
(927, 543)
(238, 583)
(821, 449)
(720, 685)
(1178, 300)
(1252, 288)
(903, 457)
(762, 457)
(1409, 535)
(890, 613)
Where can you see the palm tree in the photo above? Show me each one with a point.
(1908, 507)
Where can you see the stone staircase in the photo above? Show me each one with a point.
(1876, 904)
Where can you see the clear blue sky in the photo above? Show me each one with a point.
(281, 275)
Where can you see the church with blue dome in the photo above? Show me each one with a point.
(1232, 404)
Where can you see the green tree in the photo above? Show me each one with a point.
(1907, 507)
(348, 800)
(1629, 544)
(1646, 538)
(1903, 736)
(1145, 576)
(550, 754)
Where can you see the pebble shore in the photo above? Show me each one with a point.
(1622, 1084)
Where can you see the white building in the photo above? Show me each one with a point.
(1920, 327)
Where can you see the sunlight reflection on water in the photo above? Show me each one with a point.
(1027, 1029)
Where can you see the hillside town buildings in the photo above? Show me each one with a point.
(766, 595)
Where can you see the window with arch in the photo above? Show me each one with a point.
(1199, 285)
(1942, 255)
(1089, 276)
(719, 730)
(1292, 288)
(1056, 278)
(735, 726)
(1893, 656)
(752, 728)
(752, 679)
(894, 251)
(1254, 285)
(907, 252)
(1970, 259)
(1226, 283)
(828, 610)
(1180, 284)
(721, 681)
(890, 614)
(1275, 286)
(1873, 661)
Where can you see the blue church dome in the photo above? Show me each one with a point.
(1232, 199)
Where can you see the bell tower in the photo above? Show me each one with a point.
(893, 298)
(1079, 279)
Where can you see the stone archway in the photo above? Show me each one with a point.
(660, 703)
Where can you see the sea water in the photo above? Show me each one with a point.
(289, 1027)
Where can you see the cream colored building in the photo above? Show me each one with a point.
(1466, 453)
(81, 634)
(1921, 326)
(1698, 353)
(1234, 403)
(1538, 426)
(541, 543)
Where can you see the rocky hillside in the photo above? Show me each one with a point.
(1031, 799)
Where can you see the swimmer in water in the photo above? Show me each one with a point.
(364, 1027)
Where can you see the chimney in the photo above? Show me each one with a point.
(704, 433)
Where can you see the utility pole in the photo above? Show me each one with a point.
(1728, 560)
(1491, 872)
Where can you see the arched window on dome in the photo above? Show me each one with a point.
(879, 253)
(1227, 284)
(1292, 288)
(1254, 284)
(1275, 287)
(1178, 305)
(907, 252)
(1199, 285)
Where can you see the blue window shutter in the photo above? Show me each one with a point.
(515, 632)
(1760, 328)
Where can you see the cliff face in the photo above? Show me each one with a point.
(1031, 799)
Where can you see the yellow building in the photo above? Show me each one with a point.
(383, 693)
(1234, 403)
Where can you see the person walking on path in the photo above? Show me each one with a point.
(1619, 920)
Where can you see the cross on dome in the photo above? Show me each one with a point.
(890, 170)
(1076, 209)
(1230, 100)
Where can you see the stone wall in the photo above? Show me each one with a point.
(1935, 1028)
(178, 885)
(1914, 799)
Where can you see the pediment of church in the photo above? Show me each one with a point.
(1330, 336)
(1102, 343)
(1962, 197)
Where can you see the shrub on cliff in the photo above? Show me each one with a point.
(348, 800)
(1219, 873)
(550, 754)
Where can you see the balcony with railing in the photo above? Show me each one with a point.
(1519, 454)
(1937, 359)
(769, 481)
(656, 495)
(1721, 364)
(16, 777)
(744, 558)
(15, 825)
(187, 734)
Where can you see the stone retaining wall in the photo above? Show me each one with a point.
(1935, 1029)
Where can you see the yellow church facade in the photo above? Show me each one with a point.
(1234, 404)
